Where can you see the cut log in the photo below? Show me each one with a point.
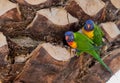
(4, 8)
(40, 4)
(51, 64)
(91, 7)
(32, 2)
(3, 50)
(85, 8)
(111, 30)
(51, 24)
(58, 16)
(116, 3)
(9, 11)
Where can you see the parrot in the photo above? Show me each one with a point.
(83, 44)
(94, 32)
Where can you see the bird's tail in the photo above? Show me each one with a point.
(102, 63)
(97, 57)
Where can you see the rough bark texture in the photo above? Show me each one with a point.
(47, 69)
(27, 24)
(3, 51)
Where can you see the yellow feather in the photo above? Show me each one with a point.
(88, 33)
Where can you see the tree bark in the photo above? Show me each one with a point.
(49, 66)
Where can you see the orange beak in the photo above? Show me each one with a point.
(88, 25)
(70, 43)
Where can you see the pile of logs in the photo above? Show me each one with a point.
(32, 38)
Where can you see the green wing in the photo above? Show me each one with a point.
(98, 34)
(83, 43)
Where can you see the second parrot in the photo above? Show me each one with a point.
(94, 32)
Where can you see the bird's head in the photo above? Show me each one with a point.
(69, 37)
(89, 25)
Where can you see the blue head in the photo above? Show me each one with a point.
(69, 37)
(89, 25)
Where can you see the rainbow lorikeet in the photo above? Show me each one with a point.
(94, 32)
(83, 44)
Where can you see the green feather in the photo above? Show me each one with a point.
(97, 57)
(98, 34)
(84, 44)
